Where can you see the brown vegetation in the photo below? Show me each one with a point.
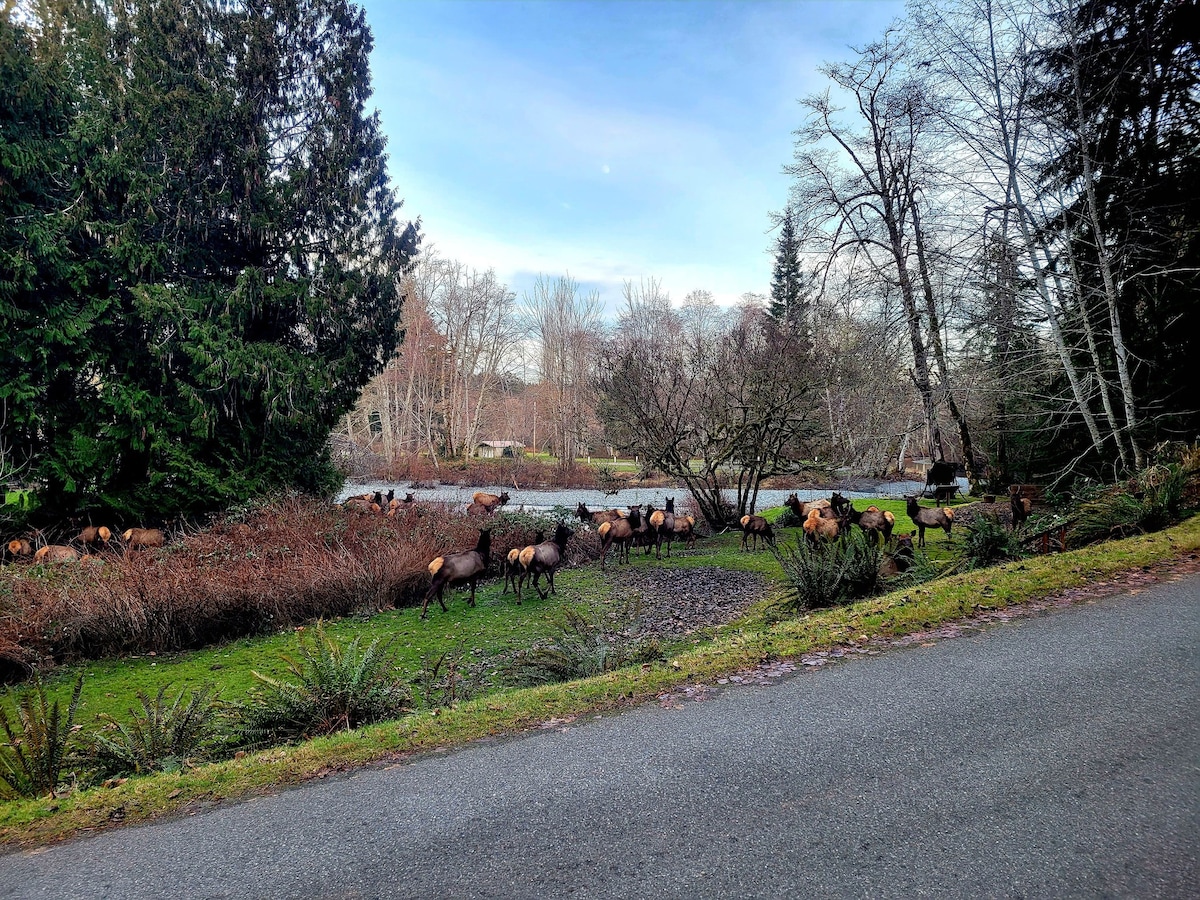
(289, 562)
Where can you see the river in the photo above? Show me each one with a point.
(625, 497)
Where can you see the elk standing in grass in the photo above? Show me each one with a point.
(801, 508)
(455, 568)
(662, 523)
(543, 559)
(621, 532)
(873, 521)
(817, 527)
(685, 528)
(512, 562)
(929, 518)
(758, 527)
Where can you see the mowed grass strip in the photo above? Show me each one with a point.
(734, 648)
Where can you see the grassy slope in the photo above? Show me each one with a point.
(497, 622)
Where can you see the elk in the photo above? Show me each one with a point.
(362, 505)
(543, 559)
(840, 505)
(873, 521)
(1021, 506)
(620, 532)
(802, 507)
(599, 517)
(20, 547)
(489, 502)
(143, 538)
(455, 568)
(758, 527)
(685, 528)
(512, 564)
(93, 535)
(662, 523)
(820, 528)
(901, 559)
(929, 518)
(55, 553)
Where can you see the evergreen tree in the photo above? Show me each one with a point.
(243, 246)
(789, 286)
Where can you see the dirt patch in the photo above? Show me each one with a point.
(672, 603)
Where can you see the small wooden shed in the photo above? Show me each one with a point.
(498, 449)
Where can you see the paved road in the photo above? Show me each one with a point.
(1052, 757)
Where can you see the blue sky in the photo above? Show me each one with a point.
(611, 140)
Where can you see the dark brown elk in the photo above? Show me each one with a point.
(599, 517)
(543, 559)
(901, 559)
(512, 562)
(1021, 506)
(929, 518)
(802, 508)
(839, 504)
(662, 523)
(756, 527)
(818, 528)
(143, 538)
(621, 532)
(456, 568)
(490, 502)
(874, 522)
(94, 536)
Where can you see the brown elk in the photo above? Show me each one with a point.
(94, 535)
(543, 559)
(455, 568)
(1021, 506)
(873, 521)
(599, 517)
(20, 547)
(362, 505)
(143, 538)
(620, 532)
(802, 508)
(817, 527)
(757, 527)
(901, 559)
(685, 528)
(512, 562)
(662, 524)
(55, 553)
(929, 518)
(489, 502)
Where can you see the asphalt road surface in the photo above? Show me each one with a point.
(1056, 756)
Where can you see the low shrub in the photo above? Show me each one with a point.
(584, 644)
(334, 688)
(827, 574)
(161, 737)
(31, 760)
(988, 542)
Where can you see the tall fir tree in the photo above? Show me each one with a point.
(241, 243)
(789, 300)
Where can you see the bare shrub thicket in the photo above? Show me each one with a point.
(291, 561)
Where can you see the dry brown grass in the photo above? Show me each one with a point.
(288, 562)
